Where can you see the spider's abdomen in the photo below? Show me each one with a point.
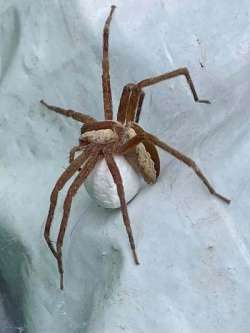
(141, 159)
(99, 136)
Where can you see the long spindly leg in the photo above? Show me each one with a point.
(74, 187)
(83, 118)
(107, 93)
(120, 189)
(136, 110)
(185, 159)
(133, 103)
(124, 100)
(109, 124)
(66, 175)
(130, 103)
(139, 107)
(181, 71)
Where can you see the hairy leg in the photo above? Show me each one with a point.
(130, 103)
(170, 75)
(133, 103)
(108, 124)
(124, 100)
(131, 143)
(74, 187)
(107, 93)
(120, 189)
(83, 118)
(66, 175)
(139, 107)
(150, 148)
(180, 156)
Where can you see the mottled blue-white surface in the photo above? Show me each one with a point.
(194, 250)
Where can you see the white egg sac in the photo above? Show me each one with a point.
(101, 187)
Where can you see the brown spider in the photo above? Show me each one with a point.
(104, 139)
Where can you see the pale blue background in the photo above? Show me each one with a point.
(194, 250)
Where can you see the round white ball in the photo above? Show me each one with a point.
(101, 187)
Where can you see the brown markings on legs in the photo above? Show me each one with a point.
(120, 190)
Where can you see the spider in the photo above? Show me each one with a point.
(104, 139)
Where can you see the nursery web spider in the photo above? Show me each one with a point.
(104, 139)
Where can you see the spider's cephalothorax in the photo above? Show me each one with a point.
(142, 156)
(104, 139)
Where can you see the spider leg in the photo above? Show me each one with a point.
(122, 110)
(133, 104)
(66, 175)
(83, 118)
(180, 71)
(74, 187)
(73, 152)
(185, 159)
(107, 93)
(130, 103)
(138, 112)
(120, 189)
(149, 146)
(100, 125)
(130, 144)
(132, 96)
